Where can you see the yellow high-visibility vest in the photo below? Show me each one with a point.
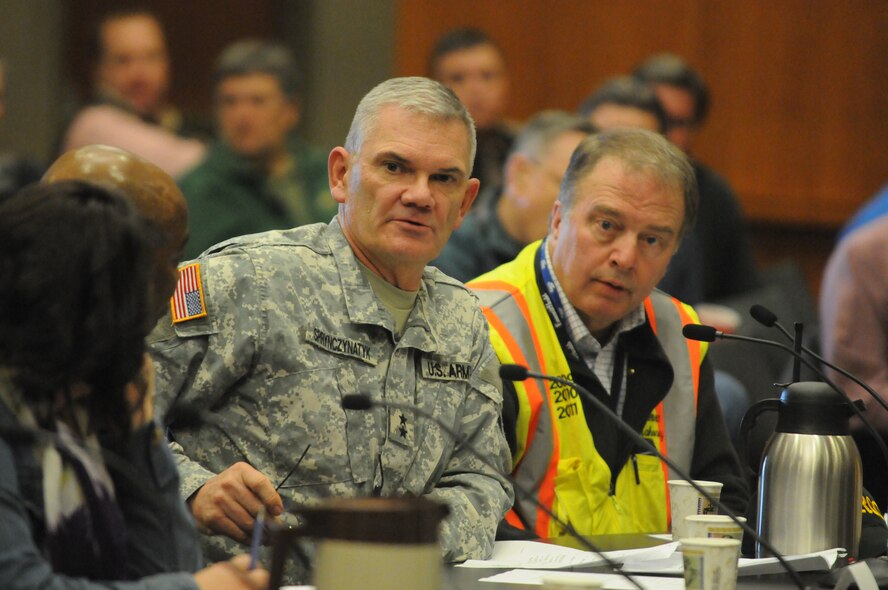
(556, 453)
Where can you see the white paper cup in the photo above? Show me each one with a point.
(710, 564)
(684, 501)
(714, 526)
(570, 581)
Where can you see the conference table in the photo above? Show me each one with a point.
(468, 579)
(457, 578)
(464, 578)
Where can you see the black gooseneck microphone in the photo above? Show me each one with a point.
(361, 401)
(519, 373)
(768, 318)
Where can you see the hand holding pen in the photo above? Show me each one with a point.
(226, 503)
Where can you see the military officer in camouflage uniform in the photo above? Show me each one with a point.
(268, 333)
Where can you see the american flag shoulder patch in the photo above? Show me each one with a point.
(187, 302)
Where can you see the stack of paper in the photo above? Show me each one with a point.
(535, 555)
(528, 562)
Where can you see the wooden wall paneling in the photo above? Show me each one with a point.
(855, 134)
(802, 83)
(759, 129)
(597, 41)
(799, 110)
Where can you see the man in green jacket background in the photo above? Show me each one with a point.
(259, 176)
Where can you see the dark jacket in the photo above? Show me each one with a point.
(161, 538)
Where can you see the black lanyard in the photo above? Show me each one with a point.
(555, 309)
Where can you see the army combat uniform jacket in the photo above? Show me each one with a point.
(284, 324)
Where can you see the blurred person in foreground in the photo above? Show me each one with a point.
(153, 193)
(89, 497)
(131, 108)
(518, 214)
(259, 176)
(269, 331)
(581, 304)
(854, 333)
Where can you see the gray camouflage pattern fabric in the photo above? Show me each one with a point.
(293, 326)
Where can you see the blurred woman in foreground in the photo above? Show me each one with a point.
(89, 493)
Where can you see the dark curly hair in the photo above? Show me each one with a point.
(75, 275)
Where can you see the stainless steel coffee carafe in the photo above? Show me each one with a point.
(809, 491)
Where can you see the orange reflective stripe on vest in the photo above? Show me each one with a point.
(557, 451)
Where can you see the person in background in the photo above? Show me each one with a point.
(581, 304)
(854, 333)
(624, 102)
(875, 208)
(500, 227)
(89, 496)
(271, 330)
(131, 108)
(259, 175)
(469, 62)
(728, 264)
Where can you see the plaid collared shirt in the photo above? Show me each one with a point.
(597, 357)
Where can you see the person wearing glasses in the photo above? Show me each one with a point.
(728, 264)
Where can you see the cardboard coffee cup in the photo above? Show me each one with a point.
(710, 564)
(684, 501)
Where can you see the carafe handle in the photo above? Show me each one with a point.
(747, 423)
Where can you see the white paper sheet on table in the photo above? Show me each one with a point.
(811, 562)
(536, 555)
(611, 581)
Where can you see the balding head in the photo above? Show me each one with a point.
(153, 192)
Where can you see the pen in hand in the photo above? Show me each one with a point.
(257, 537)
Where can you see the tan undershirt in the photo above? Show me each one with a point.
(398, 302)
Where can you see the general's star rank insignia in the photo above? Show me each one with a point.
(401, 428)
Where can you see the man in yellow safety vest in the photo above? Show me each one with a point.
(581, 304)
